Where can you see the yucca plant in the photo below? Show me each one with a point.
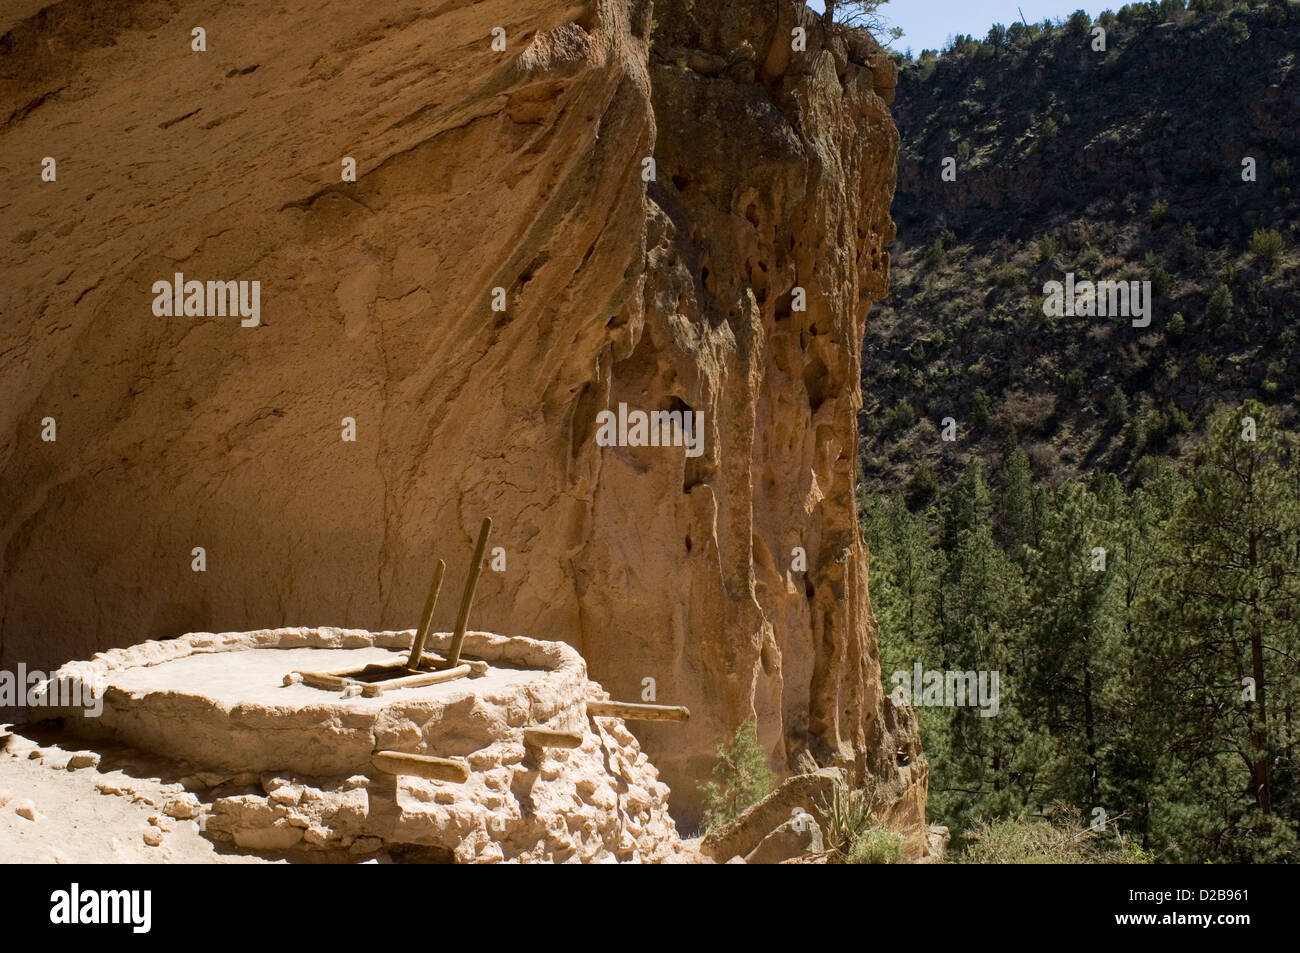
(848, 816)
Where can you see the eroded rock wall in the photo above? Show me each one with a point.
(477, 169)
(775, 172)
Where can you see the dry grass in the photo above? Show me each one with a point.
(1026, 413)
(1061, 839)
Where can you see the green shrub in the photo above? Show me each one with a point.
(921, 486)
(1176, 325)
(1159, 213)
(981, 413)
(740, 777)
(1162, 282)
(1009, 274)
(850, 836)
(876, 845)
(1117, 405)
(1219, 310)
(1161, 426)
(1132, 437)
(1179, 422)
(1047, 246)
(1267, 247)
(1156, 429)
(935, 254)
(925, 64)
(900, 419)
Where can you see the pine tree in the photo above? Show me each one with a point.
(1162, 687)
(1232, 639)
(1135, 758)
(981, 607)
(1070, 624)
(968, 506)
(1015, 509)
(905, 573)
(740, 777)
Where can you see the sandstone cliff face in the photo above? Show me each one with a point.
(477, 169)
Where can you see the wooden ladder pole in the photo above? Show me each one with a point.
(420, 765)
(476, 567)
(426, 621)
(551, 738)
(633, 711)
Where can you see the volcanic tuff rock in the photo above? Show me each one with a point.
(476, 170)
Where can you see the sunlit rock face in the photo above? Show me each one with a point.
(729, 281)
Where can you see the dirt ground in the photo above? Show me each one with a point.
(115, 809)
(106, 812)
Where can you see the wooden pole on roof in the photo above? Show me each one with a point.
(476, 567)
(422, 634)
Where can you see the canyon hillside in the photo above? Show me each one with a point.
(1169, 157)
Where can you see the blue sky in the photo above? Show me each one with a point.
(928, 23)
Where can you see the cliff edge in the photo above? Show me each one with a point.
(435, 341)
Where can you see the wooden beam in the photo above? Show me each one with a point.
(634, 711)
(422, 633)
(432, 663)
(547, 738)
(390, 676)
(476, 567)
(324, 680)
(420, 765)
(477, 667)
(374, 689)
